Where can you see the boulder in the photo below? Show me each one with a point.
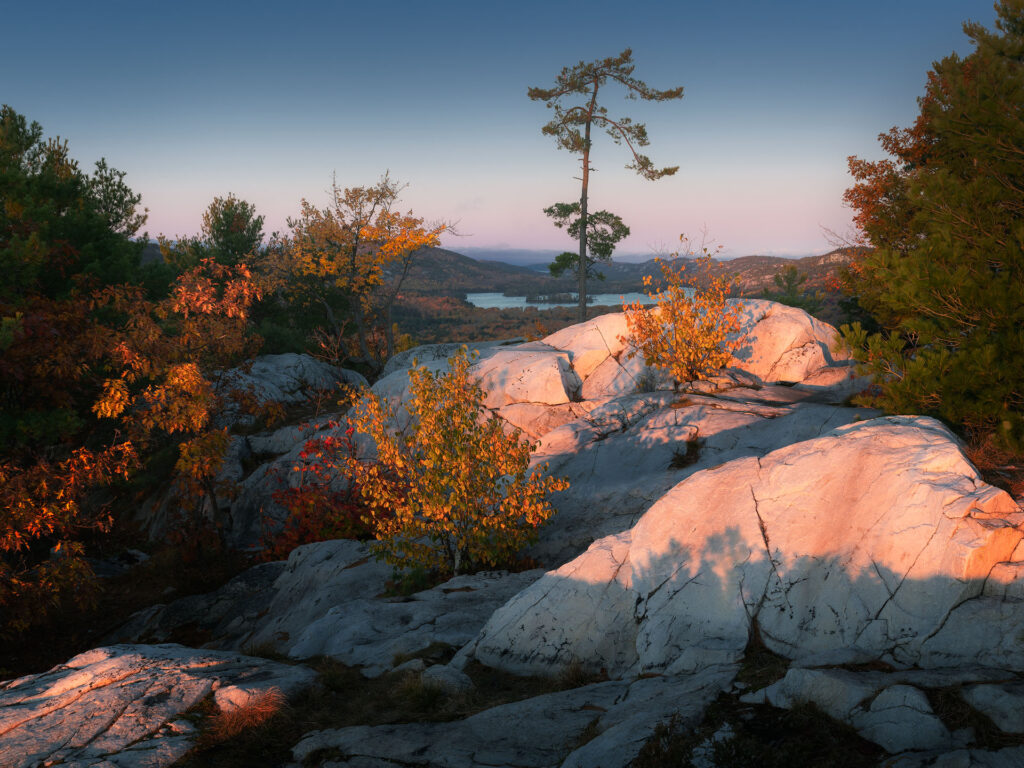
(288, 378)
(782, 343)
(889, 708)
(225, 615)
(626, 452)
(1002, 702)
(1009, 757)
(329, 599)
(449, 679)
(123, 705)
(425, 354)
(779, 344)
(878, 537)
(522, 375)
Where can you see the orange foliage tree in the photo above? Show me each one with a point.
(692, 330)
(94, 374)
(361, 248)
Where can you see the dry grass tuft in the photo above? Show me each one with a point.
(258, 710)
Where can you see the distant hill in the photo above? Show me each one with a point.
(439, 272)
(442, 272)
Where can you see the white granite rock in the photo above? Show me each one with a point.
(426, 354)
(122, 704)
(873, 537)
(447, 678)
(888, 708)
(288, 378)
(628, 451)
(900, 719)
(1010, 757)
(329, 600)
(522, 375)
(592, 342)
(538, 732)
(834, 383)
(1002, 702)
(782, 343)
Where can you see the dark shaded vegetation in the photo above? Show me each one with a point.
(945, 214)
(342, 697)
(737, 735)
(193, 567)
(760, 735)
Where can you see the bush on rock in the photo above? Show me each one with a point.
(452, 492)
(692, 330)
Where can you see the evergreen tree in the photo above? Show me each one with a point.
(604, 230)
(572, 127)
(946, 215)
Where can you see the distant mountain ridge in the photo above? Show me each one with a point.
(439, 271)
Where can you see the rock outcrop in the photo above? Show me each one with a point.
(559, 382)
(123, 705)
(876, 541)
(329, 598)
(867, 552)
(538, 732)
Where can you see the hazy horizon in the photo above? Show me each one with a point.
(268, 103)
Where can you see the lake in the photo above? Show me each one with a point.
(500, 301)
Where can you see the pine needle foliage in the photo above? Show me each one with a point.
(945, 213)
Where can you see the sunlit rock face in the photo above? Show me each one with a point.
(877, 540)
(627, 452)
(778, 343)
(605, 420)
(123, 705)
(782, 343)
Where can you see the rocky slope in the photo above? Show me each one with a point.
(864, 551)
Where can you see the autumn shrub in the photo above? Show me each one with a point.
(692, 330)
(98, 376)
(318, 510)
(44, 516)
(452, 492)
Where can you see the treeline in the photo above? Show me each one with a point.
(110, 369)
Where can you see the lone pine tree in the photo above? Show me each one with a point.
(572, 126)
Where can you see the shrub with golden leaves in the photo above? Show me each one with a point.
(452, 492)
(692, 330)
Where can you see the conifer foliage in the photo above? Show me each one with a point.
(572, 125)
(95, 374)
(946, 215)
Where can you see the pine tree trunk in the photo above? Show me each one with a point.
(582, 273)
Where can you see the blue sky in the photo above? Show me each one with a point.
(196, 100)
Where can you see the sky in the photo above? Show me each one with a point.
(200, 99)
